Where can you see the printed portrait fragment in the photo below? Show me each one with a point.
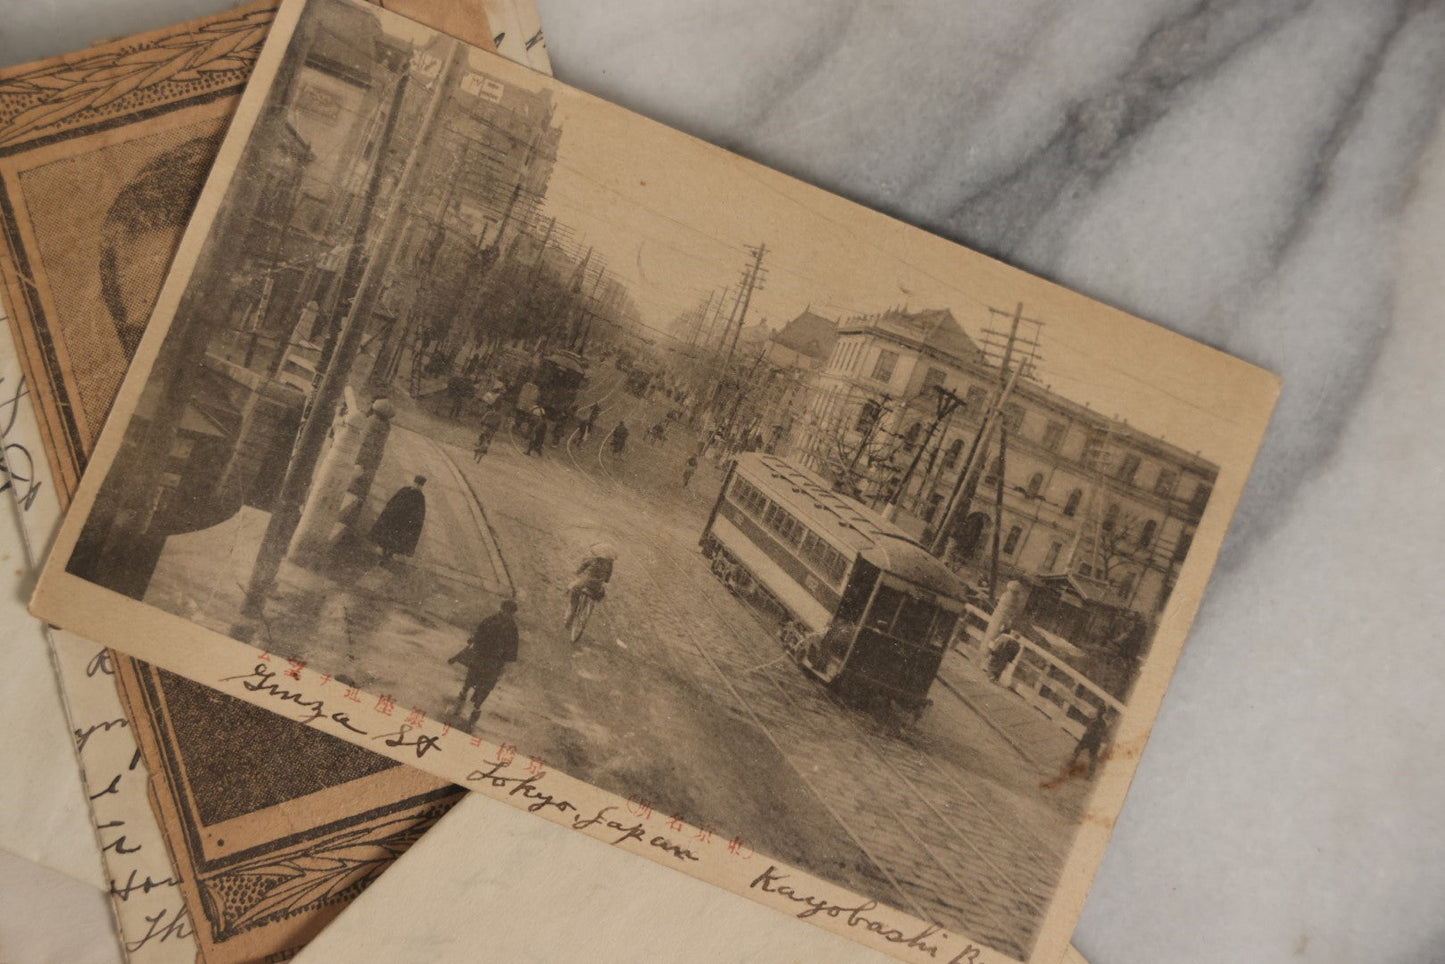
(102, 156)
(493, 428)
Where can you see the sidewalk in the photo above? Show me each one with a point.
(1032, 735)
(368, 623)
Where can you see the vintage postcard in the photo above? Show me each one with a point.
(489, 426)
(102, 155)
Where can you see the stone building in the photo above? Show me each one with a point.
(1091, 507)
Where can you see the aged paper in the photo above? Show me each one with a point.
(110, 788)
(437, 444)
(479, 880)
(43, 816)
(119, 139)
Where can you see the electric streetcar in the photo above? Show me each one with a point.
(860, 604)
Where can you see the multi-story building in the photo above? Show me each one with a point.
(1082, 498)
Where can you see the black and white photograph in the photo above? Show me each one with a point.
(495, 409)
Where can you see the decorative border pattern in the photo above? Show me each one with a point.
(39, 100)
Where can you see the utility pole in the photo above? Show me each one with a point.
(946, 402)
(997, 514)
(716, 317)
(361, 283)
(751, 283)
(967, 484)
(701, 317)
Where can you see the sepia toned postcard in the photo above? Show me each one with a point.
(488, 426)
(102, 155)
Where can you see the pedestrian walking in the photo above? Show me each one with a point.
(688, 470)
(493, 644)
(491, 422)
(398, 529)
(590, 420)
(1092, 740)
(1004, 653)
(539, 435)
(459, 389)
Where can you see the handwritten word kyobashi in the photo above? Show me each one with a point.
(770, 882)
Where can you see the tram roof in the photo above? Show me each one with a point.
(859, 528)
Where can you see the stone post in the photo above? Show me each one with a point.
(320, 516)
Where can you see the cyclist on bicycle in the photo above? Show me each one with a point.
(594, 572)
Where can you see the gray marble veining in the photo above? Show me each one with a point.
(1238, 170)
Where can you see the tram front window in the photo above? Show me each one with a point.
(885, 608)
(913, 622)
(910, 621)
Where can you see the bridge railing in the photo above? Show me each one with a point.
(1040, 677)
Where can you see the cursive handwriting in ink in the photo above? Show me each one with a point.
(82, 736)
(118, 844)
(769, 882)
(526, 786)
(99, 663)
(262, 680)
(145, 886)
(421, 743)
(17, 465)
(162, 925)
(112, 787)
(635, 831)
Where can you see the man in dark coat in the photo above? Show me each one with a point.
(1093, 740)
(492, 646)
(398, 528)
(539, 436)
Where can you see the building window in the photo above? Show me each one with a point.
(1128, 468)
(1071, 507)
(868, 417)
(1086, 570)
(1146, 534)
(974, 398)
(934, 379)
(1201, 497)
(883, 368)
(995, 469)
(1182, 548)
(1036, 482)
(1013, 417)
(1093, 455)
(1164, 485)
(1012, 542)
(1054, 436)
(1052, 558)
(935, 502)
(951, 456)
(1126, 586)
(1111, 517)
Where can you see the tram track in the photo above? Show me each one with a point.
(920, 791)
(907, 791)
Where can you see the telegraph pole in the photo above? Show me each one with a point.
(946, 402)
(967, 484)
(745, 298)
(361, 284)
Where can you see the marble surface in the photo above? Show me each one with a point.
(1261, 174)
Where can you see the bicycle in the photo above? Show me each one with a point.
(578, 612)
